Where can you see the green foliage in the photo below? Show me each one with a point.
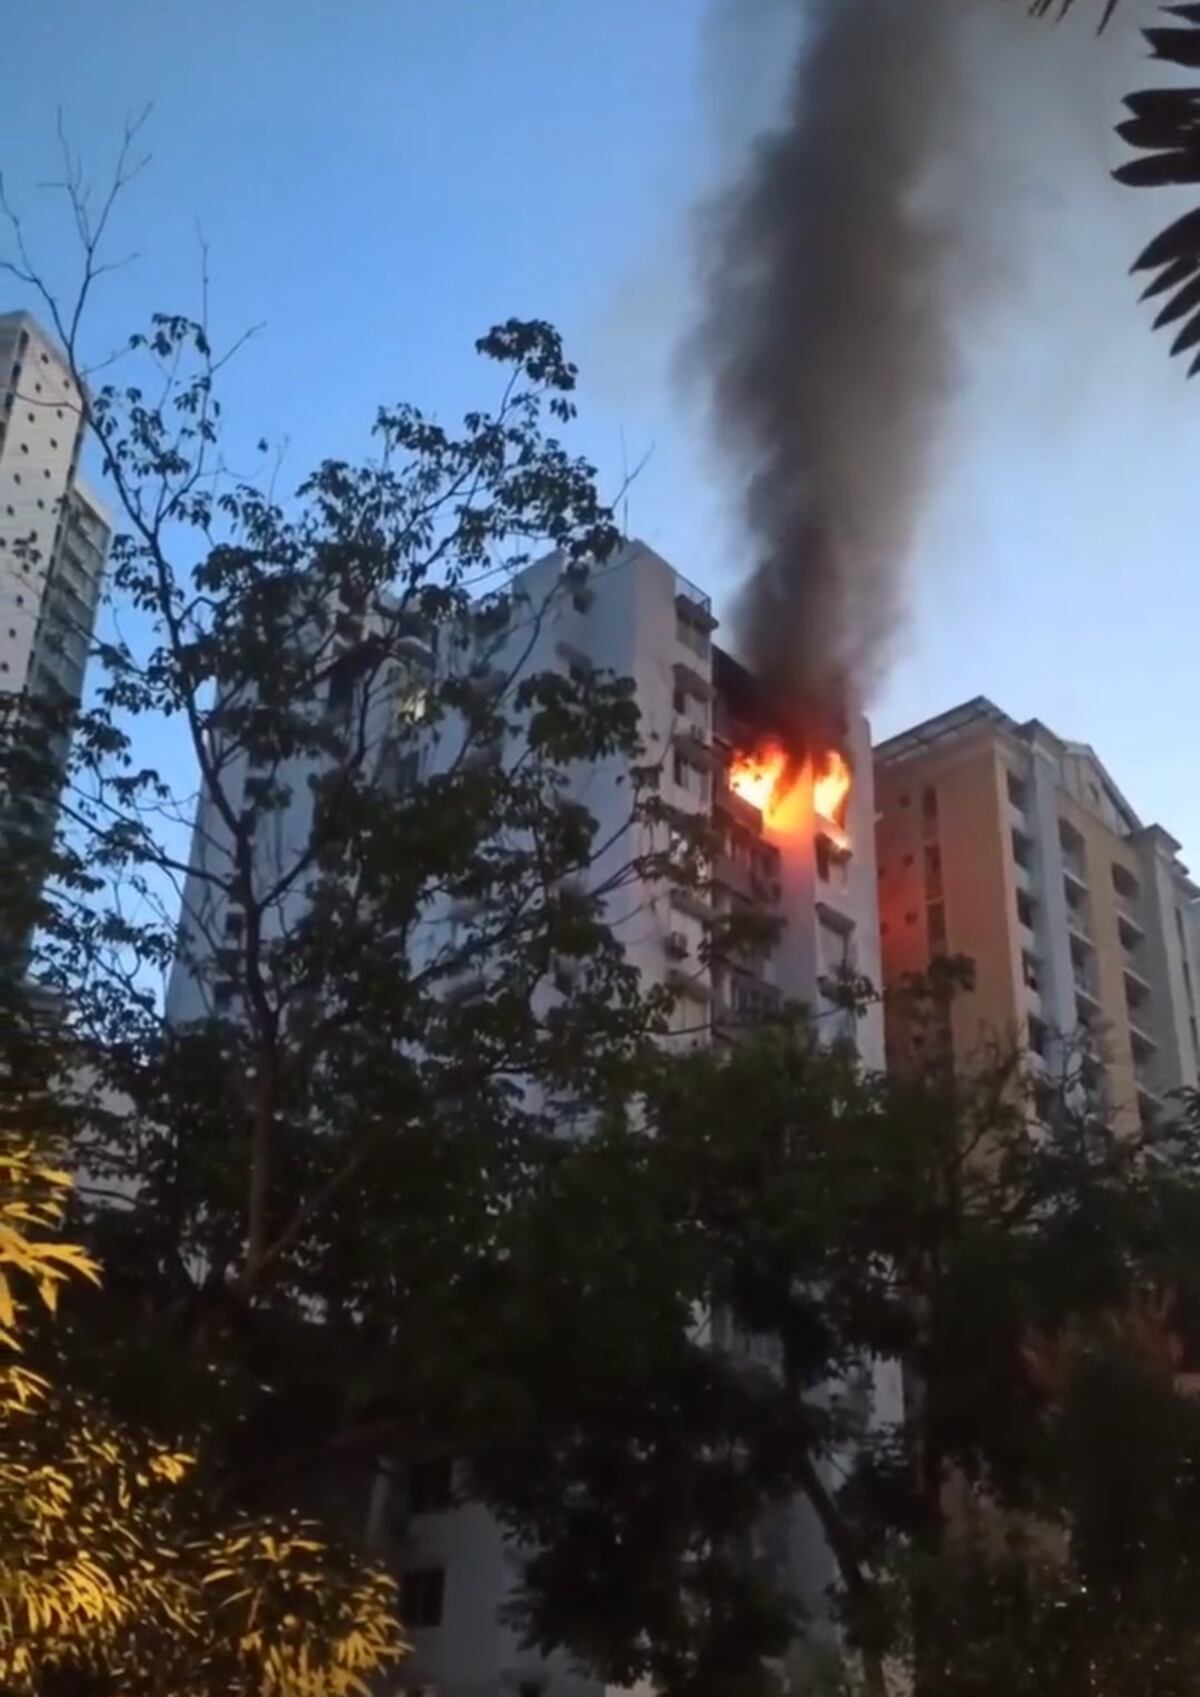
(112, 1573)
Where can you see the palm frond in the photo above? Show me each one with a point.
(1164, 127)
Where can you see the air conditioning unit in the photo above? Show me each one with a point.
(678, 946)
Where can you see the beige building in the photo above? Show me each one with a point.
(1003, 842)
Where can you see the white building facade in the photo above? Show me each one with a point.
(54, 532)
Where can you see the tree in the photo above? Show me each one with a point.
(1029, 1506)
(113, 1574)
(1162, 124)
(398, 967)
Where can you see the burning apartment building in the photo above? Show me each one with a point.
(790, 816)
(793, 828)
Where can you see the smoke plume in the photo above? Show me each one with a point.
(830, 268)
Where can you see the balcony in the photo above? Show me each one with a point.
(695, 903)
(1073, 858)
(1142, 1042)
(1075, 882)
(1129, 926)
(1079, 927)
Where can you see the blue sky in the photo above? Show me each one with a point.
(378, 181)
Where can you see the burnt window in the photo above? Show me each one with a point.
(823, 857)
(422, 1596)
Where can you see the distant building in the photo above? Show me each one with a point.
(54, 533)
(54, 541)
(1005, 843)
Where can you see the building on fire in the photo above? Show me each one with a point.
(1004, 843)
(793, 839)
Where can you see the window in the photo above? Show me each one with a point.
(1017, 792)
(1124, 882)
(422, 1595)
(431, 1486)
(822, 848)
(910, 918)
(1026, 910)
(235, 922)
(54, 442)
(1037, 1035)
(929, 802)
(222, 995)
(689, 776)
(24, 447)
(935, 917)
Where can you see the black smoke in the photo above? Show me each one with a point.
(825, 338)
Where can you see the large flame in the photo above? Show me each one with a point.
(831, 786)
(769, 779)
(761, 778)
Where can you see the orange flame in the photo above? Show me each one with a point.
(761, 778)
(769, 779)
(831, 786)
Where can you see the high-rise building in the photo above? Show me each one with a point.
(702, 717)
(54, 540)
(1004, 843)
(54, 534)
(787, 845)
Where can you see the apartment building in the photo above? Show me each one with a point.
(640, 618)
(54, 541)
(54, 532)
(776, 853)
(1005, 843)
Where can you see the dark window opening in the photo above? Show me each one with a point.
(823, 858)
(422, 1596)
(431, 1486)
